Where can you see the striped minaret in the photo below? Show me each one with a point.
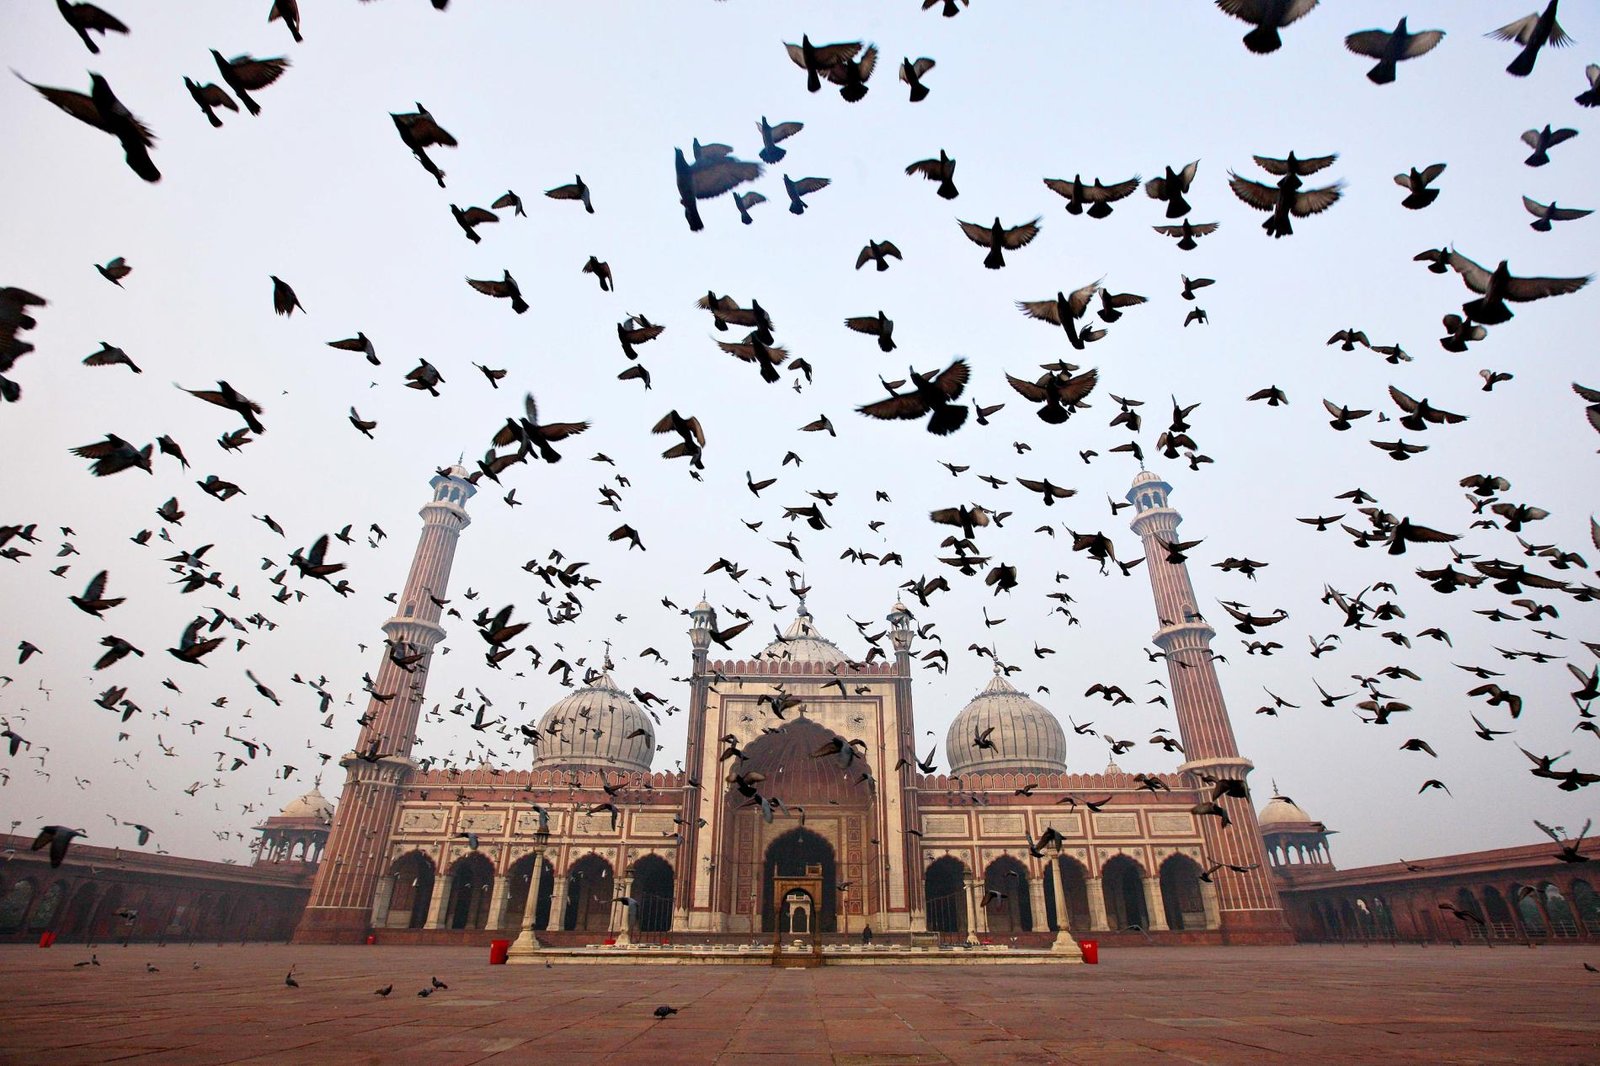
(340, 910)
(1248, 905)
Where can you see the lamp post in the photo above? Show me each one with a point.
(527, 943)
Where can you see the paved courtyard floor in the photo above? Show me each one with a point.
(207, 1004)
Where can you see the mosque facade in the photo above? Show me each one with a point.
(800, 807)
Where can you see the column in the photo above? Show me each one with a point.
(440, 902)
(380, 901)
(1208, 897)
(1036, 901)
(1065, 943)
(980, 891)
(527, 942)
(558, 899)
(972, 911)
(1155, 907)
(497, 903)
(1097, 905)
(622, 914)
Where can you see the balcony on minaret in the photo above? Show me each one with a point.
(1149, 492)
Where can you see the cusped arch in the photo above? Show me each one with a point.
(1007, 899)
(591, 886)
(1122, 884)
(945, 895)
(414, 875)
(1182, 898)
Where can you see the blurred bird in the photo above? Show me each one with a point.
(358, 343)
(1268, 16)
(1533, 32)
(284, 301)
(911, 72)
(771, 135)
(1545, 214)
(1541, 141)
(997, 237)
(244, 72)
(115, 270)
(102, 110)
(1099, 197)
(576, 190)
(1416, 183)
(932, 393)
(209, 97)
(505, 288)
(941, 170)
(1171, 188)
(1390, 49)
(86, 18)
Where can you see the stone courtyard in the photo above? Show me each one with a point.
(207, 1004)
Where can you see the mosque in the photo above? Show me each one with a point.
(800, 809)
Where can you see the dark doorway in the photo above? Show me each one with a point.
(1180, 893)
(788, 856)
(590, 891)
(1123, 883)
(945, 889)
(413, 888)
(652, 888)
(1014, 913)
(471, 885)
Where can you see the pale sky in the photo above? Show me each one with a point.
(320, 191)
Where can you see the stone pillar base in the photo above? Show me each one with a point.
(525, 946)
(1067, 945)
(333, 925)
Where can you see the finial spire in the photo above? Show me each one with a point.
(1275, 791)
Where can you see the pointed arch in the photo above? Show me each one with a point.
(413, 875)
(945, 891)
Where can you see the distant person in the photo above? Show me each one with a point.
(866, 935)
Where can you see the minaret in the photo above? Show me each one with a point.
(692, 909)
(1248, 905)
(341, 906)
(902, 631)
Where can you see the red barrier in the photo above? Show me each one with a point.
(1091, 950)
(498, 949)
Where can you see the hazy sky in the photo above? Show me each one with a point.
(320, 191)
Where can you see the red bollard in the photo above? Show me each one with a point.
(372, 938)
(46, 939)
(1091, 950)
(498, 949)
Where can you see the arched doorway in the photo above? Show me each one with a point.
(1529, 911)
(14, 906)
(44, 912)
(1562, 921)
(590, 892)
(75, 919)
(521, 875)
(1587, 904)
(1074, 887)
(788, 856)
(1014, 913)
(1182, 901)
(945, 890)
(471, 882)
(413, 891)
(1123, 884)
(652, 888)
(1497, 914)
(798, 914)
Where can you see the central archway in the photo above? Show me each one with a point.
(945, 890)
(788, 856)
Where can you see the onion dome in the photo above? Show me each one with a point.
(802, 642)
(313, 806)
(1026, 736)
(598, 726)
(1281, 812)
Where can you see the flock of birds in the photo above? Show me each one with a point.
(938, 399)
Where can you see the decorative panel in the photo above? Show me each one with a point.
(653, 824)
(483, 821)
(422, 820)
(1068, 824)
(597, 824)
(1172, 822)
(1002, 825)
(528, 822)
(1116, 824)
(944, 825)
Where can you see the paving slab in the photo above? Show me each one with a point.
(1151, 1005)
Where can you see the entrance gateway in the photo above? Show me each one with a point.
(794, 901)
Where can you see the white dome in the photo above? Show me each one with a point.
(802, 642)
(1026, 735)
(600, 726)
(312, 805)
(1281, 811)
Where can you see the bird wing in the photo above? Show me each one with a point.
(1431, 173)
(562, 430)
(1257, 195)
(1099, 193)
(76, 104)
(1042, 310)
(1078, 387)
(1018, 236)
(96, 589)
(257, 73)
(1476, 278)
(976, 233)
(864, 324)
(931, 169)
(106, 356)
(1422, 43)
(350, 344)
(887, 248)
(477, 215)
(1372, 43)
(490, 287)
(1520, 31)
(805, 185)
(784, 130)
(1315, 201)
(906, 406)
(713, 177)
(919, 67)
(1078, 302)
(953, 378)
(1028, 390)
(1406, 403)
(1521, 290)
(869, 60)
